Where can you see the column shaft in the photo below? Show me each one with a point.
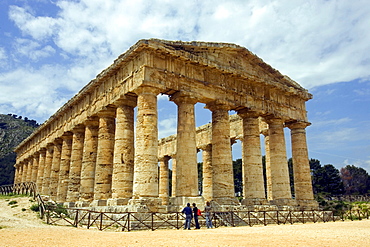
(76, 164)
(54, 176)
(65, 160)
(40, 172)
(223, 180)
(123, 162)
(187, 167)
(35, 166)
(89, 161)
(207, 173)
(163, 180)
(104, 159)
(29, 169)
(47, 170)
(301, 166)
(278, 161)
(253, 183)
(174, 172)
(146, 149)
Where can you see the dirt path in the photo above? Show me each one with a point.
(22, 228)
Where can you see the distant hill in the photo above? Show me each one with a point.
(13, 130)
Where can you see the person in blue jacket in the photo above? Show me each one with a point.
(188, 216)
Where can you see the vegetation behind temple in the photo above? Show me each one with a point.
(13, 130)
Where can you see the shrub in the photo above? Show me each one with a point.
(35, 207)
(12, 202)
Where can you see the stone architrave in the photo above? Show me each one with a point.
(123, 161)
(186, 158)
(47, 170)
(223, 180)
(253, 182)
(104, 159)
(40, 172)
(54, 176)
(74, 179)
(164, 179)
(65, 161)
(301, 167)
(88, 162)
(145, 188)
(280, 185)
(35, 166)
(207, 173)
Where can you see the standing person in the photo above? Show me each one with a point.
(208, 213)
(195, 211)
(188, 216)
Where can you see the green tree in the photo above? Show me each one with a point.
(238, 175)
(356, 180)
(325, 179)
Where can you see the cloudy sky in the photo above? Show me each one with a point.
(50, 49)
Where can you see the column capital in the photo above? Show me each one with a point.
(247, 113)
(218, 105)
(58, 141)
(107, 111)
(126, 100)
(147, 90)
(273, 120)
(79, 129)
(297, 125)
(92, 121)
(183, 97)
(67, 135)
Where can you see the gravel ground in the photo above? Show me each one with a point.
(23, 228)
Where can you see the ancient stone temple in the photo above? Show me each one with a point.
(93, 152)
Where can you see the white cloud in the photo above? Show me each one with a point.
(167, 126)
(33, 50)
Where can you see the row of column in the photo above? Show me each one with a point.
(97, 162)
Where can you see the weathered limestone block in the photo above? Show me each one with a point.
(65, 160)
(47, 170)
(253, 182)
(89, 161)
(123, 160)
(40, 172)
(186, 158)
(54, 176)
(104, 159)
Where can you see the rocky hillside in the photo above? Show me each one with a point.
(13, 130)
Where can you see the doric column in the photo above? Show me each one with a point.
(21, 172)
(47, 169)
(301, 166)
(40, 172)
(163, 179)
(35, 166)
(253, 183)
(89, 161)
(104, 159)
(187, 167)
(65, 160)
(145, 188)
(73, 192)
(29, 169)
(54, 176)
(265, 132)
(280, 186)
(173, 189)
(123, 161)
(207, 173)
(223, 180)
(16, 173)
(24, 165)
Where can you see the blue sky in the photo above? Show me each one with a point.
(50, 49)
